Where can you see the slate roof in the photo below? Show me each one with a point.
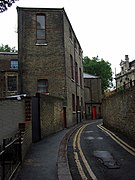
(89, 76)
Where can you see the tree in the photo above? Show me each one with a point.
(6, 48)
(101, 68)
(4, 4)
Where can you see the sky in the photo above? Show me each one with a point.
(104, 28)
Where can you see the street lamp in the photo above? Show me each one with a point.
(4, 4)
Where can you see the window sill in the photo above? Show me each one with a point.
(45, 44)
(45, 93)
(74, 112)
(15, 91)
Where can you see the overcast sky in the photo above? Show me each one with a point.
(103, 27)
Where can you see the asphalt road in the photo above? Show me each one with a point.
(95, 153)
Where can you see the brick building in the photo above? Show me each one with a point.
(8, 74)
(92, 96)
(50, 59)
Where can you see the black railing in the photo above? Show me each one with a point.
(10, 157)
(126, 85)
(120, 88)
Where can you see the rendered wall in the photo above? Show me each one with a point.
(12, 112)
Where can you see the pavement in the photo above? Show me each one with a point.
(47, 159)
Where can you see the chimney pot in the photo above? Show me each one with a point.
(126, 57)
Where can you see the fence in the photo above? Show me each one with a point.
(120, 88)
(10, 157)
(127, 85)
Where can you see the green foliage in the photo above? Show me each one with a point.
(101, 68)
(6, 48)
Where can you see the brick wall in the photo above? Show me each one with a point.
(51, 115)
(93, 89)
(71, 86)
(5, 58)
(5, 71)
(119, 112)
(12, 112)
(27, 138)
(41, 61)
(50, 61)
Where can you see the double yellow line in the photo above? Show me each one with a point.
(79, 153)
(123, 144)
(77, 149)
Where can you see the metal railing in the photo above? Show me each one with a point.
(126, 85)
(10, 157)
(120, 88)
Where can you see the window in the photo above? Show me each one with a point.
(81, 102)
(14, 64)
(73, 102)
(77, 103)
(41, 38)
(12, 83)
(70, 33)
(80, 52)
(72, 67)
(80, 77)
(42, 86)
(76, 72)
(75, 44)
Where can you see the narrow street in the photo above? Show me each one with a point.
(96, 153)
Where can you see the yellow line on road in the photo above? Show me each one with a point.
(123, 144)
(76, 144)
(130, 147)
(81, 172)
(80, 169)
(82, 155)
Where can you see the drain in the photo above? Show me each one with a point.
(107, 159)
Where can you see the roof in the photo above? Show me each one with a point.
(90, 76)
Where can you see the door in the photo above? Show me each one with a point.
(36, 129)
(65, 119)
(94, 113)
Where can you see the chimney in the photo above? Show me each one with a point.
(126, 58)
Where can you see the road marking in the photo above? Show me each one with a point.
(89, 138)
(100, 138)
(88, 132)
(123, 144)
(82, 155)
(76, 144)
(81, 172)
(80, 169)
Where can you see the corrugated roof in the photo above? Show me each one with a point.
(89, 76)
